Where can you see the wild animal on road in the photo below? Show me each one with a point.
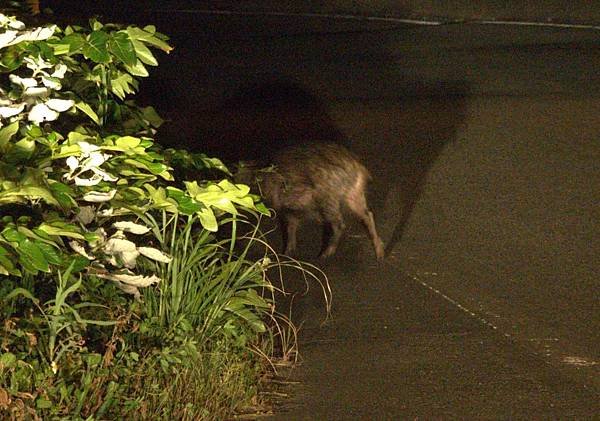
(317, 181)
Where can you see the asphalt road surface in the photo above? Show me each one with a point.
(484, 145)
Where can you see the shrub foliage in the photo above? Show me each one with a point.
(117, 296)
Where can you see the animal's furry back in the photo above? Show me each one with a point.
(309, 175)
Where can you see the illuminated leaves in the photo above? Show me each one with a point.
(89, 189)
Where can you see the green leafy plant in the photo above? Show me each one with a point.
(208, 284)
(84, 183)
(90, 208)
(62, 326)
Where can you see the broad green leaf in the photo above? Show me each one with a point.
(87, 110)
(138, 69)
(35, 235)
(238, 189)
(20, 151)
(4, 271)
(95, 49)
(92, 359)
(11, 59)
(127, 142)
(153, 156)
(218, 200)
(67, 150)
(51, 254)
(135, 176)
(46, 51)
(237, 307)
(72, 42)
(76, 137)
(166, 175)
(146, 143)
(208, 219)
(122, 47)
(186, 204)
(222, 195)
(42, 235)
(62, 229)
(9, 270)
(96, 26)
(60, 49)
(246, 202)
(7, 266)
(50, 140)
(63, 194)
(262, 208)
(91, 237)
(158, 196)
(122, 85)
(31, 252)
(216, 164)
(26, 145)
(252, 298)
(143, 53)
(139, 193)
(11, 235)
(130, 151)
(32, 177)
(29, 193)
(154, 167)
(193, 188)
(35, 131)
(139, 34)
(9, 185)
(6, 133)
(3, 251)
(161, 194)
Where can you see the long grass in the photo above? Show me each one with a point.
(219, 292)
(209, 284)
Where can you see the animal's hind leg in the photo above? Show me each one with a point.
(333, 230)
(357, 202)
(289, 227)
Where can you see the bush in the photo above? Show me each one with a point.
(118, 297)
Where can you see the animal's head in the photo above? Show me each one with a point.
(259, 178)
(245, 172)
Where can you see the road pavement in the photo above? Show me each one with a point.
(485, 154)
(483, 144)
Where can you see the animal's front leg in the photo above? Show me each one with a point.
(289, 227)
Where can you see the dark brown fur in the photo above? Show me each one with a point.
(317, 181)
